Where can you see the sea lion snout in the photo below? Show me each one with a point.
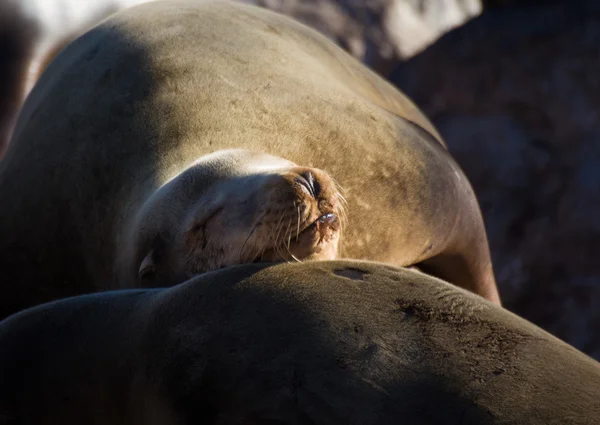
(312, 186)
(317, 198)
(300, 216)
(273, 210)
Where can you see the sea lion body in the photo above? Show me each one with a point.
(135, 101)
(315, 343)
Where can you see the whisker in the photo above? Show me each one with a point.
(279, 226)
(296, 258)
(343, 213)
(342, 198)
(276, 240)
(289, 239)
(338, 186)
(254, 227)
(259, 251)
(287, 232)
(298, 225)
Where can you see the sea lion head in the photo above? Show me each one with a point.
(236, 207)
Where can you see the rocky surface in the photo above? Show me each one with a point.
(379, 32)
(516, 94)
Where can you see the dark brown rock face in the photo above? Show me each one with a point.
(516, 95)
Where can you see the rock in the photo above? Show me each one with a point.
(516, 95)
(379, 32)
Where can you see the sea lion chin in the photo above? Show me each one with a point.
(235, 207)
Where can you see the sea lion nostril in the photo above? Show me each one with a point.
(328, 218)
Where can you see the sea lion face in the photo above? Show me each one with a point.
(236, 207)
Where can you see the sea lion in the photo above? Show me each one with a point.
(340, 342)
(32, 32)
(133, 103)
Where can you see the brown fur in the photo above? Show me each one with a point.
(313, 343)
(139, 98)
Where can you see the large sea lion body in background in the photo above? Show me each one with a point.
(316, 343)
(31, 34)
(129, 106)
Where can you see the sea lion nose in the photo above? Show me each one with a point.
(309, 183)
(328, 218)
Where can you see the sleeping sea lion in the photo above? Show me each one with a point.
(124, 111)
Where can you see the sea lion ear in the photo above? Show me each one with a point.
(148, 266)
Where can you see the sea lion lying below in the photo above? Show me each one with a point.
(123, 111)
(316, 343)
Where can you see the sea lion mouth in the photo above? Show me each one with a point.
(306, 243)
